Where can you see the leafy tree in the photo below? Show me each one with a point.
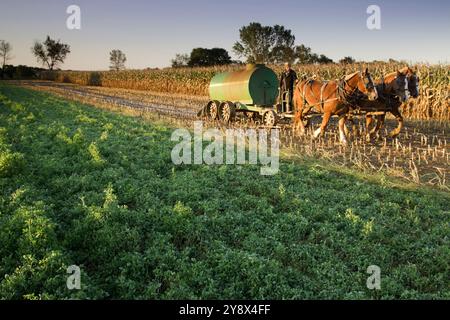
(284, 49)
(219, 56)
(347, 60)
(180, 60)
(5, 52)
(265, 44)
(117, 59)
(20, 72)
(202, 57)
(50, 52)
(304, 55)
(323, 59)
(254, 43)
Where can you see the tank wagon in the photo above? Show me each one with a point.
(253, 92)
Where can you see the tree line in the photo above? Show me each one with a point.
(257, 44)
(50, 53)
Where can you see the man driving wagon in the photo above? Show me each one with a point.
(288, 80)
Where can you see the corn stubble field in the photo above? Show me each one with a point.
(420, 154)
(433, 102)
(87, 181)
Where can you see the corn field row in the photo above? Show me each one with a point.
(433, 102)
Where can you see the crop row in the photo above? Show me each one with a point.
(433, 102)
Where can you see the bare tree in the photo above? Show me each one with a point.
(117, 59)
(5, 52)
(50, 52)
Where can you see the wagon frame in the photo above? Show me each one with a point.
(270, 115)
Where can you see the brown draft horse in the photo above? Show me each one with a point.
(331, 98)
(394, 90)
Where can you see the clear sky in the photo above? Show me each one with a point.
(151, 32)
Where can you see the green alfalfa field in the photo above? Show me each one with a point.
(97, 189)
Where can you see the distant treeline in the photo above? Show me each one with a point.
(10, 72)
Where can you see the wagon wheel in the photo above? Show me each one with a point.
(227, 112)
(270, 118)
(213, 109)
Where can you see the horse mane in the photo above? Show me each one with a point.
(407, 71)
(394, 74)
(348, 77)
(390, 75)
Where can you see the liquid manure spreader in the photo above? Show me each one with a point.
(253, 92)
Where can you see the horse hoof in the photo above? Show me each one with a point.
(317, 133)
(393, 135)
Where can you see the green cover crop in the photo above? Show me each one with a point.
(86, 187)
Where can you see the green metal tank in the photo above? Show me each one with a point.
(256, 85)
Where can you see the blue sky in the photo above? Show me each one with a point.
(152, 32)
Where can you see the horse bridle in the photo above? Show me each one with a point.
(416, 83)
(397, 80)
(342, 92)
(368, 83)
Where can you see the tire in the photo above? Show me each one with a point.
(213, 109)
(227, 112)
(270, 118)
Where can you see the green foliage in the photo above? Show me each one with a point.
(19, 72)
(98, 190)
(347, 60)
(202, 57)
(267, 44)
(10, 163)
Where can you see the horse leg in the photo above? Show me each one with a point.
(295, 122)
(323, 126)
(394, 133)
(355, 128)
(380, 122)
(369, 121)
(347, 132)
(342, 127)
(298, 118)
(298, 123)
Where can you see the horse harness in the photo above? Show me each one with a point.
(341, 94)
(388, 99)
